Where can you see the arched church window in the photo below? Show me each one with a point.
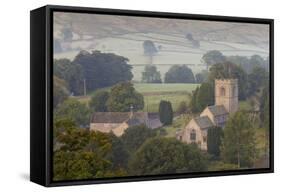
(193, 135)
(222, 91)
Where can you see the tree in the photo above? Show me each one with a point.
(83, 154)
(205, 96)
(179, 74)
(71, 73)
(123, 96)
(149, 49)
(238, 145)
(258, 78)
(213, 57)
(98, 101)
(214, 137)
(103, 69)
(135, 136)
(60, 91)
(151, 75)
(166, 112)
(182, 108)
(202, 96)
(166, 156)
(265, 107)
(74, 110)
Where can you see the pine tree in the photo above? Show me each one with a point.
(166, 112)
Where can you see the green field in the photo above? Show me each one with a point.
(154, 93)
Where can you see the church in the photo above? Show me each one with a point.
(226, 103)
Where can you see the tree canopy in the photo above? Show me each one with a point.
(179, 74)
(103, 69)
(98, 101)
(123, 96)
(166, 155)
(166, 112)
(239, 145)
(151, 75)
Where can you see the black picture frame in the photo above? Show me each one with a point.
(41, 61)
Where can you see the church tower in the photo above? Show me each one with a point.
(226, 94)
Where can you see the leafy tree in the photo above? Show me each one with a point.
(67, 34)
(119, 154)
(60, 92)
(103, 69)
(238, 145)
(258, 78)
(228, 70)
(165, 156)
(193, 101)
(202, 76)
(71, 73)
(123, 96)
(203, 96)
(135, 136)
(183, 108)
(75, 111)
(83, 154)
(213, 57)
(265, 107)
(151, 75)
(149, 49)
(98, 101)
(166, 112)
(179, 74)
(214, 137)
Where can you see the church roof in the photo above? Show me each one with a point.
(217, 110)
(203, 122)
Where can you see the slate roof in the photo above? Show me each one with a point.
(217, 110)
(119, 117)
(204, 122)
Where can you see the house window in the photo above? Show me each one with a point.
(204, 139)
(193, 135)
(222, 91)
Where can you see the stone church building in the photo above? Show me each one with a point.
(226, 102)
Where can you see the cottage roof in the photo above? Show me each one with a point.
(217, 110)
(203, 122)
(119, 117)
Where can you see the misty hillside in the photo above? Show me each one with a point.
(173, 38)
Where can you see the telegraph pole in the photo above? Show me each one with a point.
(85, 91)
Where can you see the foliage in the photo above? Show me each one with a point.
(83, 154)
(149, 49)
(213, 57)
(60, 92)
(214, 137)
(135, 136)
(221, 166)
(166, 155)
(258, 78)
(179, 74)
(202, 76)
(166, 112)
(203, 96)
(123, 96)
(71, 73)
(98, 101)
(182, 108)
(151, 75)
(238, 144)
(265, 108)
(103, 69)
(75, 111)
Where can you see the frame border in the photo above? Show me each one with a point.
(50, 9)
